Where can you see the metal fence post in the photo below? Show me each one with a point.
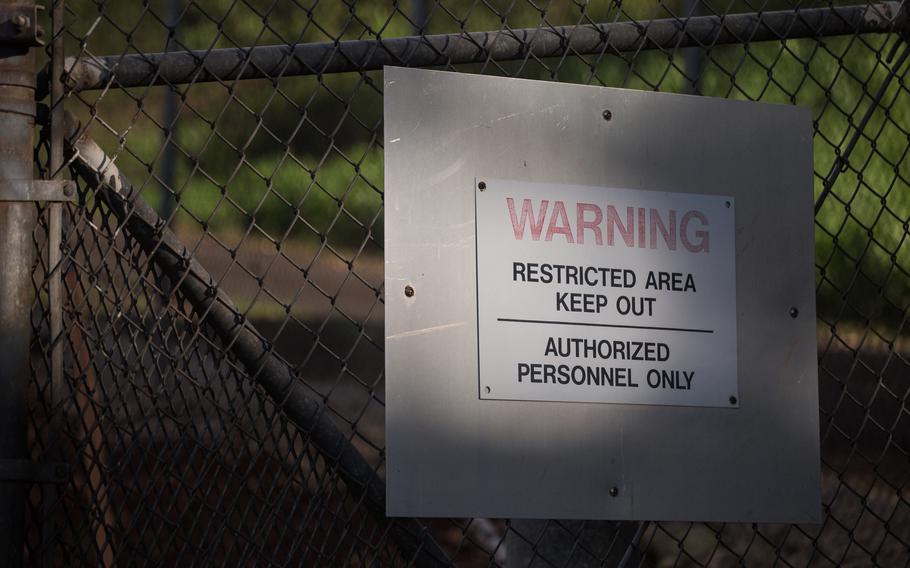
(17, 250)
(19, 32)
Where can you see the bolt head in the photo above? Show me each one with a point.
(794, 312)
(409, 291)
(481, 185)
(614, 491)
(733, 400)
(608, 114)
(21, 20)
(69, 188)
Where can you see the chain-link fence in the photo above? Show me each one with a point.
(212, 383)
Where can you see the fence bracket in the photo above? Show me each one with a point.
(38, 190)
(33, 472)
(19, 25)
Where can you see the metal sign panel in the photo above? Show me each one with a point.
(605, 295)
(455, 451)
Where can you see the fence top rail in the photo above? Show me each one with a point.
(273, 61)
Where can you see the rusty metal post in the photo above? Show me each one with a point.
(17, 251)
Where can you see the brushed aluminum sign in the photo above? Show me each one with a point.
(577, 325)
(593, 294)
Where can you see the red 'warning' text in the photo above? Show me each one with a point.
(632, 226)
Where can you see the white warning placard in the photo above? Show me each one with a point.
(596, 294)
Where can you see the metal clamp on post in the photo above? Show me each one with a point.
(25, 471)
(19, 25)
(38, 190)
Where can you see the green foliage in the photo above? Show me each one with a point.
(282, 197)
(305, 159)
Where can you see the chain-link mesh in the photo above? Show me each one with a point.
(223, 388)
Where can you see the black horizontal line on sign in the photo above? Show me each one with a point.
(588, 324)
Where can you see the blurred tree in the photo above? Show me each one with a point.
(301, 156)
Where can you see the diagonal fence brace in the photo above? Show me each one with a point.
(265, 367)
